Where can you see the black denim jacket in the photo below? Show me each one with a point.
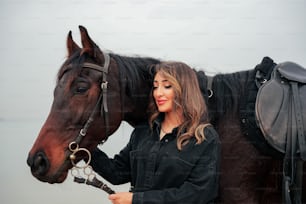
(160, 173)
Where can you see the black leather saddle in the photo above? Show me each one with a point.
(281, 106)
(281, 115)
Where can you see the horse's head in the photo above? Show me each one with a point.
(80, 102)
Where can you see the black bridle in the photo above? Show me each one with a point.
(102, 96)
(73, 148)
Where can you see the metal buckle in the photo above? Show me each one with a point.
(104, 85)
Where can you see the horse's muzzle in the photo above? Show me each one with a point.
(39, 164)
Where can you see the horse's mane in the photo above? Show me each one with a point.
(203, 81)
(229, 90)
(135, 74)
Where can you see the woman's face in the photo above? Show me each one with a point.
(163, 93)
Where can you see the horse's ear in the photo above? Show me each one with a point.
(88, 44)
(72, 47)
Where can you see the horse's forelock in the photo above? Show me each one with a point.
(73, 62)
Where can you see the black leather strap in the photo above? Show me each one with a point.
(287, 165)
(299, 120)
(293, 166)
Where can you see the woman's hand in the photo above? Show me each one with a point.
(121, 198)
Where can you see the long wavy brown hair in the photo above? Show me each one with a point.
(188, 97)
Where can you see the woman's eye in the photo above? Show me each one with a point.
(155, 87)
(168, 86)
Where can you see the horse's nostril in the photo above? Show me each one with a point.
(39, 163)
(30, 161)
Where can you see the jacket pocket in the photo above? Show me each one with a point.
(172, 171)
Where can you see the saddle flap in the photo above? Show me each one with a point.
(292, 71)
(272, 113)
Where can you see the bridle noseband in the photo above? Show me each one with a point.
(73, 148)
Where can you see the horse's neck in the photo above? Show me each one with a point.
(135, 110)
(135, 113)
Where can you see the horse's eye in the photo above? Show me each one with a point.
(81, 88)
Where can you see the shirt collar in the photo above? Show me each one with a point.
(157, 126)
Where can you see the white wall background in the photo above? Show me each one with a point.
(216, 36)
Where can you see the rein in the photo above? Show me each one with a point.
(73, 148)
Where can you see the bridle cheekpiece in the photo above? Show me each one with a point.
(88, 173)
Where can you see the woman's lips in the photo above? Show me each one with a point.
(161, 102)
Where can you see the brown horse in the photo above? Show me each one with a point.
(81, 107)
(79, 81)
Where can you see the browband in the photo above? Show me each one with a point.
(98, 67)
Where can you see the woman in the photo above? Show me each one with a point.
(175, 157)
